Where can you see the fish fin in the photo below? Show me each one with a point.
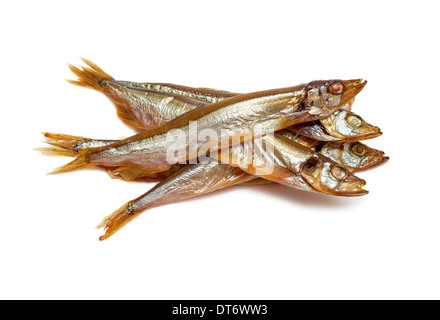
(129, 172)
(117, 220)
(57, 152)
(80, 162)
(111, 171)
(89, 77)
(126, 116)
(64, 141)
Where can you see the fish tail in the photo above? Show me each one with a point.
(80, 162)
(67, 145)
(65, 141)
(89, 77)
(57, 152)
(115, 221)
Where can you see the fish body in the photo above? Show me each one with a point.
(313, 130)
(204, 94)
(354, 156)
(236, 118)
(147, 109)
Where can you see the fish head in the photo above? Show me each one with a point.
(354, 156)
(348, 126)
(361, 155)
(325, 96)
(325, 175)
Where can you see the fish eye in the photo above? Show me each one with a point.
(338, 172)
(358, 149)
(336, 88)
(354, 121)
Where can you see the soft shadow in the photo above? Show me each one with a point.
(305, 198)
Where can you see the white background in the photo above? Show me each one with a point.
(261, 242)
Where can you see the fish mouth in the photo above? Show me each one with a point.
(355, 191)
(376, 132)
(352, 188)
(351, 89)
(358, 193)
(374, 161)
(371, 132)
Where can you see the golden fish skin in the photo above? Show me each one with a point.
(305, 141)
(147, 109)
(313, 130)
(237, 116)
(203, 94)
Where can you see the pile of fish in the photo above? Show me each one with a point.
(193, 141)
